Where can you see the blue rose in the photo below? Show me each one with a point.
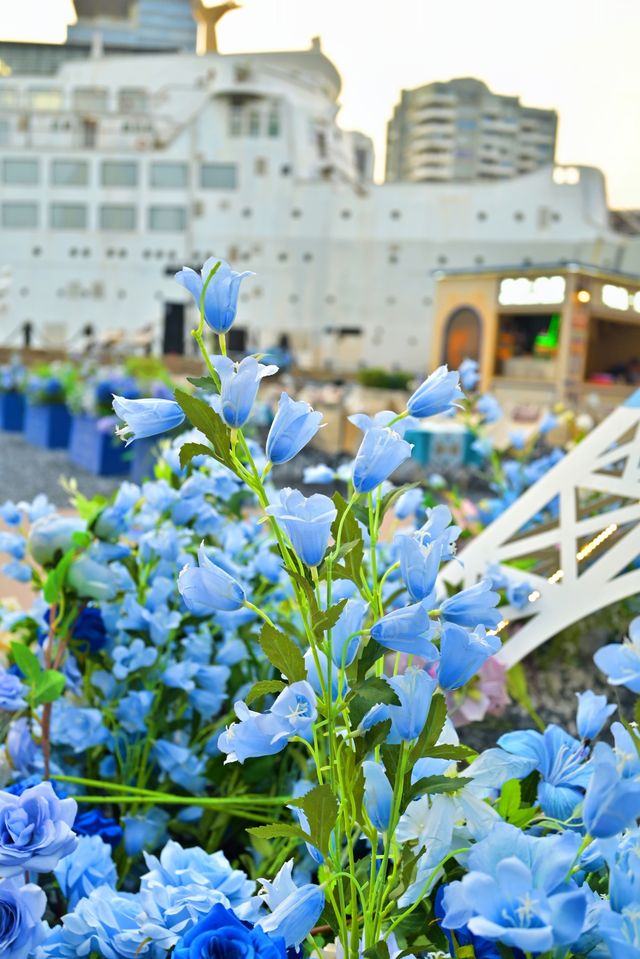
(21, 926)
(93, 823)
(35, 830)
(220, 933)
(89, 865)
(12, 692)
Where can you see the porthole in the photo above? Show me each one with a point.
(518, 216)
(283, 257)
(246, 212)
(36, 251)
(443, 260)
(307, 257)
(346, 214)
(296, 213)
(481, 215)
(293, 298)
(395, 214)
(391, 301)
(478, 260)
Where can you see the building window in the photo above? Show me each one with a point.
(133, 100)
(235, 120)
(167, 218)
(70, 172)
(119, 173)
(67, 216)
(169, 176)
(273, 123)
(20, 172)
(19, 216)
(254, 123)
(218, 176)
(44, 98)
(117, 217)
(90, 100)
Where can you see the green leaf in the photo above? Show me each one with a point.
(54, 583)
(324, 620)
(371, 692)
(370, 654)
(48, 686)
(394, 495)
(208, 422)
(518, 690)
(203, 382)
(81, 539)
(375, 736)
(26, 661)
(432, 728)
(510, 798)
(279, 830)
(263, 688)
(189, 450)
(282, 653)
(435, 785)
(321, 809)
(457, 753)
(379, 951)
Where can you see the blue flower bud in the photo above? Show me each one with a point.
(381, 452)
(407, 630)
(378, 795)
(146, 417)
(207, 587)
(593, 712)
(438, 394)
(239, 383)
(294, 425)
(473, 606)
(306, 521)
(221, 297)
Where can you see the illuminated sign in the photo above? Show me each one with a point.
(524, 291)
(619, 298)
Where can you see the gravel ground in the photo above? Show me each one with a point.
(27, 470)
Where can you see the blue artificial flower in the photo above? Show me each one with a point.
(378, 795)
(105, 923)
(489, 408)
(294, 910)
(561, 761)
(437, 528)
(12, 692)
(306, 521)
(294, 425)
(462, 653)
(439, 393)
(78, 727)
(10, 513)
(239, 384)
(221, 933)
(144, 831)
(88, 633)
(169, 911)
(147, 417)
(409, 503)
(207, 587)
(35, 830)
(221, 296)
(414, 688)
(469, 371)
(52, 536)
(89, 865)
(419, 565)
(132, 709)
(25, 756)
(473, 606)
(517, 439)
(621, 661)
(381, 452)
(407, 630)
(178, 866)
(518, 593)
(92, 823)
(318, 475)
(516, 891)
(91, 578)
(264, 734)
(128, 659)
(14, 544)
(612, 801)
(180, 764)
(547, 423)
(14, 569)
(593, 712)
(21, 925)
(344, 638)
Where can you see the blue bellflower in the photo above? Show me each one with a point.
(294, 425)
(294, 910)
(621, 661)
(612, 801)
(439, 393)
(378, 794)
(462, 653)
(382, 451)
(144, 418)
(221, 297)
(489, 408)
(469, 371)
(473, 606)
(593, 712)
(407, 630)
(207, 587)
(419, 565)
(306, 521)
(414, 688)
(239, 384)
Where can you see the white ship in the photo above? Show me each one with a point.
(117, 170)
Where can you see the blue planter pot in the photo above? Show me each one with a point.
(48, 425)
(97, 451)
(12, 407)
(144, 454)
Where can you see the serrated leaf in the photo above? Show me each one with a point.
(321, 809)
(432, 728)
(324, 620)
(189, 450)
(203, 418)
(279, 830)
(203, 382)
(48, 687)
(376, 735)
(436, 785)
(26, 661)
(282, 652)
(264, 687)
(370, 692)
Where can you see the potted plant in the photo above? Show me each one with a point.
(47, 417)
(12, 401)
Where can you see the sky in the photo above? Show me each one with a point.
(577, 56)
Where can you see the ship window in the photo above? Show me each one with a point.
(21, 172)
(70, 172)
(19, 216)
(169, 175)
(8, 97)
(117, 217)
(254, 123)
(218, 176)
(133, 100)
(167, 218)
(67, 216)
(235, 120)
(119, 173)
(273, 123)
(90, 100)
(44, 98)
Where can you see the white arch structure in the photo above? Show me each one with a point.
(587, 556)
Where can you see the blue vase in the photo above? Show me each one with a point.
(47, 425)
(12, 407)
(97, 451)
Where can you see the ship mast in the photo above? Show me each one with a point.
(207, 19)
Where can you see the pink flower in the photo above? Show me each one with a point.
(486, 694)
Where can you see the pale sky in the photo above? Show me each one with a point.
(580, 57)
